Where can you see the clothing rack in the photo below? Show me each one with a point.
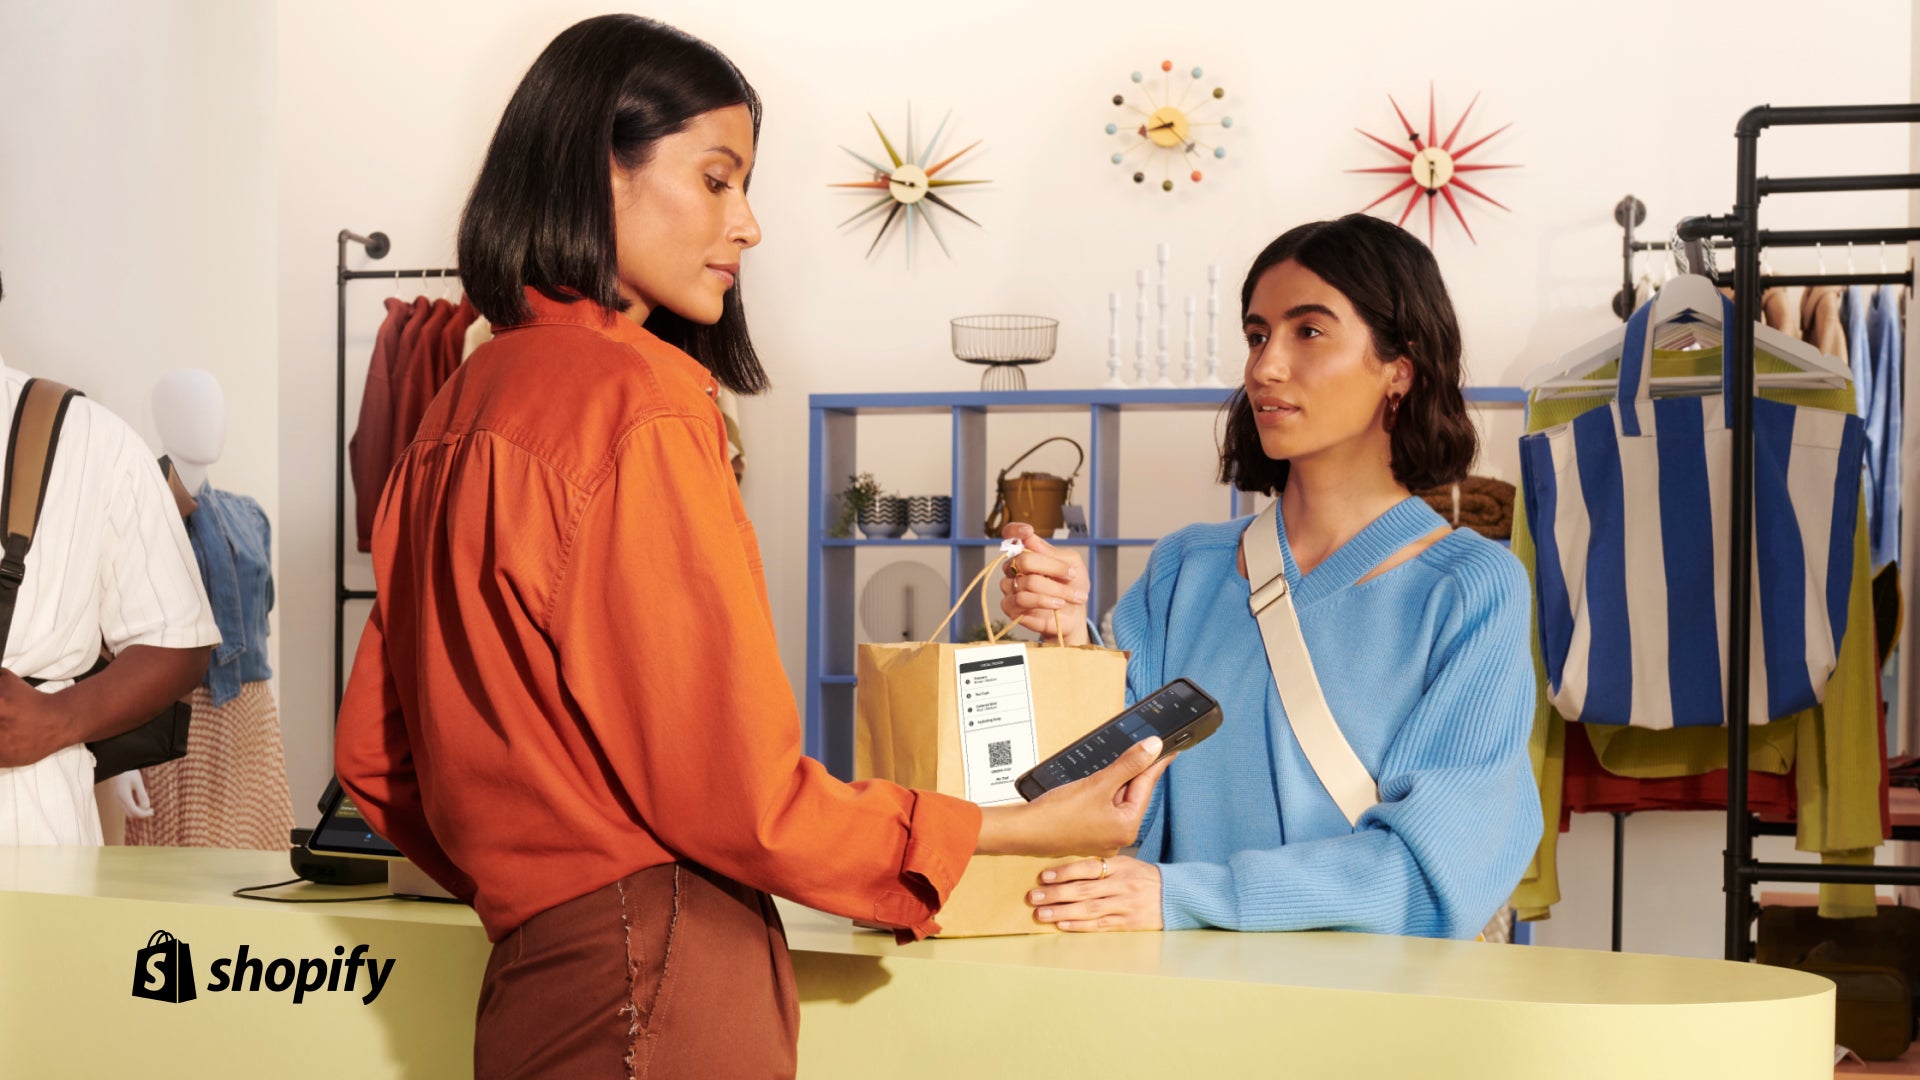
(1741, 870)
(377, 245)
(1630, 213)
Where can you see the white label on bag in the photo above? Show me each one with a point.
(997, 739)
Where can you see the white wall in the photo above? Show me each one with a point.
(137, 210)
(385, 109)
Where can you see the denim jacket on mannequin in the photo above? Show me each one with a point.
(232, 541)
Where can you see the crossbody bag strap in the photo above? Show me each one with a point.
(1339, 768)
(30, 447)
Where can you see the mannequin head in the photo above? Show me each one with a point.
(190, 412)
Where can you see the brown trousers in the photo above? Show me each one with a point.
(670, 972)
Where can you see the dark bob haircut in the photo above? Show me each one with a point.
(541, 211)
(1393, 282)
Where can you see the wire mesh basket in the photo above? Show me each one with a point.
(1004, 343)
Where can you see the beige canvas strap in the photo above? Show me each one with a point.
(35, 435)
(36, 426)
(1327, 750)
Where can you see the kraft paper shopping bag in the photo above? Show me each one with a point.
(967, 720)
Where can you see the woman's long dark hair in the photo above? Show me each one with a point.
(1393, 282)
(541, 211)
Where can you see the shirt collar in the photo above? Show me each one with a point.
(616, 326)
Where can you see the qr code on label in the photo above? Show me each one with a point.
(1000, 754)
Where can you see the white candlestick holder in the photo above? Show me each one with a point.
(1213, 328)
(1140, 328)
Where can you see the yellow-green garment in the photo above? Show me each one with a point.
(1836, 745)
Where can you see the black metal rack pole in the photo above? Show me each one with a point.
(1741, 870)
(1629, 212)
(1810, 237)
(377, 245)
(1746, 310)
(1768, 281)
(1803, 185)
(1619, 874)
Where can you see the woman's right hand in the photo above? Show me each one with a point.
(1095, 816)
(1043, 582)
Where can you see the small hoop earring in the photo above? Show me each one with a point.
(1393, 411)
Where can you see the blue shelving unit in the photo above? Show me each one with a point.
(832, 457)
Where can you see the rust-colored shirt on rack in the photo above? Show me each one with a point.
(570, 673)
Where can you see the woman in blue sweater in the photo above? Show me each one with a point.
(1418, 632)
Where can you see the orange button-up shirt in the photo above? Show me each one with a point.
(570, 673)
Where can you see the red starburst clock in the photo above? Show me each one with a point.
(1432, 168)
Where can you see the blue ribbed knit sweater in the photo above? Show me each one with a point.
(1427, 671)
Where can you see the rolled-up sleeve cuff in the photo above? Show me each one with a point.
(942, 834)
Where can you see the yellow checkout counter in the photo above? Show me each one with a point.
(1182, 1006)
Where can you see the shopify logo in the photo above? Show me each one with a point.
(163, 971)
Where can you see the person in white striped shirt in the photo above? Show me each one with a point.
(110, 565)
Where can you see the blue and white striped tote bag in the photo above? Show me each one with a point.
(1629, 507)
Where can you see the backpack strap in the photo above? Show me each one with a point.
(1340, 770)
(30, 448)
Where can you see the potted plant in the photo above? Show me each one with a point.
(861, 496)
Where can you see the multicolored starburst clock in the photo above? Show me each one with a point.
(1433, 168)
(1165, 129)
(910, 188)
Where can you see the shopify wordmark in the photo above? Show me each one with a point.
(304, 976)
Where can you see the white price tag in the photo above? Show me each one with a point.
(995, 705)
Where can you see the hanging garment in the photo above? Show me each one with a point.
(232, 541)
(230, 791)
(1631, 517)
(1591, 789)
(421, 376)
(1821, 323)
(435, 357)
(231, 788)
(1835, 744)
(479, 332)
(1875, 336)
(730, 413)
(370, 451)
(1780, 309)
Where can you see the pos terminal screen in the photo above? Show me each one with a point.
(343, 831)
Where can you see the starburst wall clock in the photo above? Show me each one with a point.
(910, 188)
(1432, 168)
(1163, 129)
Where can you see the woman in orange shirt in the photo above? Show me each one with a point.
(567, 705)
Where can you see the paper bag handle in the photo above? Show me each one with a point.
(986, 613)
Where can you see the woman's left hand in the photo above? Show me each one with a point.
(1075, 897)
